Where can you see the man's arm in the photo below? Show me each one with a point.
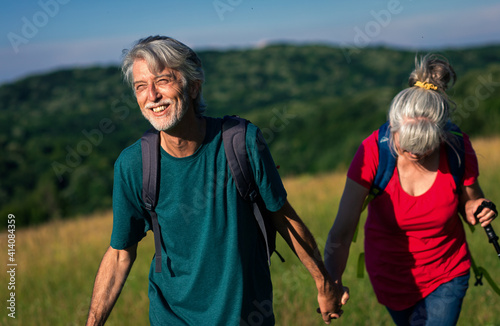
(111, 276)
(302, 242)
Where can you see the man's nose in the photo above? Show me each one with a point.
(153, 93)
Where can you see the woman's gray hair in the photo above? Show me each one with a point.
(419, 114)
(162, 52)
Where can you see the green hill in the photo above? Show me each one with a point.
(61, 132)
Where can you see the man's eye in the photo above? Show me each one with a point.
(140, 87)
(162, 81)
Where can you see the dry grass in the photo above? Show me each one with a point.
(57, 264)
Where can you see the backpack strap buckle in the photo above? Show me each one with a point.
(253, 196)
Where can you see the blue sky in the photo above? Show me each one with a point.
(43, 35)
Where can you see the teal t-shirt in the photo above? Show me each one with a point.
(214, 263)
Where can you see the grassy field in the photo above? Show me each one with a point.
(57, 262)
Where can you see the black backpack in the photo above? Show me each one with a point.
(234, 139)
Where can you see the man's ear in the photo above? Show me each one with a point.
(194, 89)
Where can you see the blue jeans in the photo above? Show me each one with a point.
(440, 308)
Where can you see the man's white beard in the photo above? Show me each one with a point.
(172, 118)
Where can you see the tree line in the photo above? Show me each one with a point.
(62, 131)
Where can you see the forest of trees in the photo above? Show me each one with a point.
(62, 131)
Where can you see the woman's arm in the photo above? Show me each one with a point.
(341, 234)
(471, 198)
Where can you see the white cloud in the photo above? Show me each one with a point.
(448, 28)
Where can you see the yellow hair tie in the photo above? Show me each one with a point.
(426, 85)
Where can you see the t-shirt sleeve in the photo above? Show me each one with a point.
(129, 222)
(265, 171)
(363, 167)
(471, 164)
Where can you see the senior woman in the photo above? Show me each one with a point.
(415, 248)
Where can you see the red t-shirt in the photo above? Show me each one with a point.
(413, 244)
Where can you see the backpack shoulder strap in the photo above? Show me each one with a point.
(234, 131)
(386, 160)
(150, 147)
(234, 139)
(456, 156)
(386, 164)
(385, 170)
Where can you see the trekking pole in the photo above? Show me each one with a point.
(493, 238)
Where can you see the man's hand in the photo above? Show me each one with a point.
(329, 305)
(331, 295)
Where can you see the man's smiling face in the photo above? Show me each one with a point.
(163, 97)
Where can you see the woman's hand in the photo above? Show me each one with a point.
(486, 214)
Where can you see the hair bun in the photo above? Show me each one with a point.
(433, 70)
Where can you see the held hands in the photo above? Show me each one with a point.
(331, 301)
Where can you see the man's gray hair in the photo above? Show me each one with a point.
(162, 52)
